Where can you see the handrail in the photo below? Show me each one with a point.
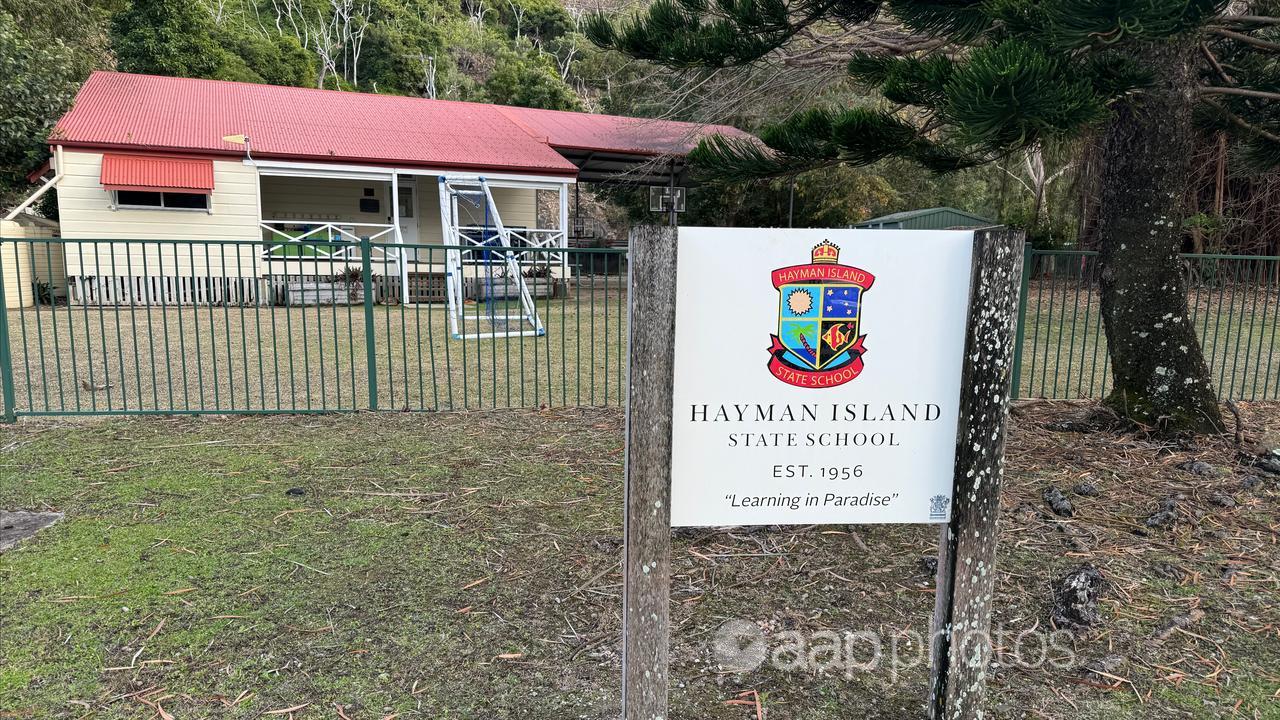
(496, 248)
(526, 234)
(1185, 256)
(513, 229)
(259, 243)
(349, 239)
(1216, 256)
(304, 221)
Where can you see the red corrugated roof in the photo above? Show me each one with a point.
(152, 113)
(613, 133)
(149, 172)
(186, 115)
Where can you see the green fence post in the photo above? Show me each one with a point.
(370, 353)
(1028, 259)
(6, 358)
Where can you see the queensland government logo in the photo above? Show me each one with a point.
(819, 306)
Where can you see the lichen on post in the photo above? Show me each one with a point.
(960, 643)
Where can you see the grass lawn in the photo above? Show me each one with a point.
(465, 566)
(227, 358)
(1065, 350)
(315, 358)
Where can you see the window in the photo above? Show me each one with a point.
(161, 200)
(186, 201)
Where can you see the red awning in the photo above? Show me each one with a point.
(153, 173)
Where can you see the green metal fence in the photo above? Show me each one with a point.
(1234, 304)
(190, 326)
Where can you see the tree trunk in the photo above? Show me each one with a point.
(1159, 372)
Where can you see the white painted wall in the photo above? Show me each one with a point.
(85, 212)
(337, 201)
(517, 206)
(328, 200)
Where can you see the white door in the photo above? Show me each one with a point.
(408, 216)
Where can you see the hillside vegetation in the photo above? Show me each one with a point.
(534, 53)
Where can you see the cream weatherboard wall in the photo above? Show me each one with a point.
(305, 200)
(15, 259)
(26, 264)
(334, 200)
(240, 198)
(86, 213)
(338, 201)
(329, 200)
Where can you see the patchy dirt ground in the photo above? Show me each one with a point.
(465, 566)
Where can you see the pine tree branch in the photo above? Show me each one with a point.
(1241, 122)
(906, 48)
(817, 138)
(1254, 20)
(1242, 92)
(838, 43)
(1246, 39)
(724, 33)
(837, 51)
(1217, 66)
(878, 37)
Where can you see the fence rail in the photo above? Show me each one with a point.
(98, 327)
(1233, 302)
(210, 329)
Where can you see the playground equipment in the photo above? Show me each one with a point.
(497, 261)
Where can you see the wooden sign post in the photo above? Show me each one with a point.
(961, 650)
(646, 539)
(966, 569)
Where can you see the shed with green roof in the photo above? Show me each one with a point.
(939, 218)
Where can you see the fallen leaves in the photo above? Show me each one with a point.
(750, 698)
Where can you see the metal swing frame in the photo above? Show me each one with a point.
(478, 192)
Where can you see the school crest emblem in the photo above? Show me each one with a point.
(819, 318)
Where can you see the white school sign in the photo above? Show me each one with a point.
(817, 375)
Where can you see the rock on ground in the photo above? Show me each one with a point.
(1058, 502)
(1201, 468)
(1075, 598)
(1086, 489)
(19, 525)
